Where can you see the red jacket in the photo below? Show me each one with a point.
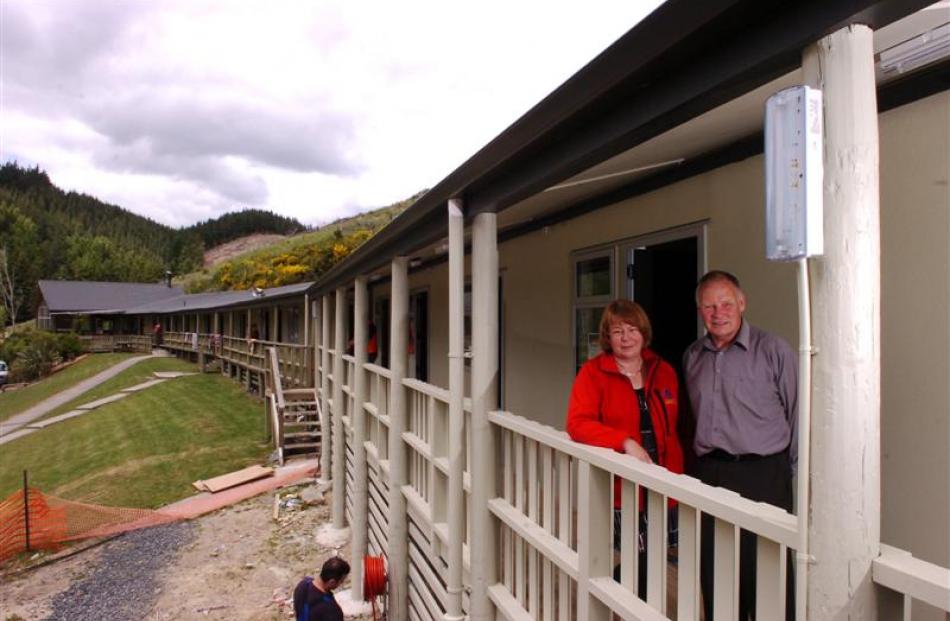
(603, 409)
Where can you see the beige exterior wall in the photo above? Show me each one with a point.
(538, 275)
(915, 320)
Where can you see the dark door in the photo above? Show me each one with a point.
(419, 332)
(662, 277)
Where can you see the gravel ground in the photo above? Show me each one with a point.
(123, 585)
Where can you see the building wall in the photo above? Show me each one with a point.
(538, 312)
(538, 275)
(915, 339)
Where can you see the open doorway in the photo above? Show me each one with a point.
(660, 274)
(658, 271)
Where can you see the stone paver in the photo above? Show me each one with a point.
(13, 435)
(46, 422)
(144, 385)
(60, 398)
(22, 424)
(100, 402)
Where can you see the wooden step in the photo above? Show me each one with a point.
(290, 435)
(303, 420)
(301, 445)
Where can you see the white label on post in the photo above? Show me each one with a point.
(793, 174)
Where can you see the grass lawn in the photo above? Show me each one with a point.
(136, 374)
(17, 401)
(143, 451)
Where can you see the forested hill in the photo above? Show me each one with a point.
(296, 259)
(49, 233)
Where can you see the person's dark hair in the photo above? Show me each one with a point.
(334, 569)
(624, 311)
(716, 276)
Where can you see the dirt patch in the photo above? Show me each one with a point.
(237, 247)
(242, 564)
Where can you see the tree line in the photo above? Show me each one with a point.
(46, 233)
(299, 259)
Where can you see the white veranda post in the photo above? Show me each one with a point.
(456, 499)
(358, 422)
(339, 452)
(484, 399)
(325, 442)
(398, 561)
(844, 520)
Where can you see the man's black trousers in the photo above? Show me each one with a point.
(764, 479)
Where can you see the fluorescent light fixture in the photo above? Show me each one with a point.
(794, 173)
(570, 184)
(922, 50)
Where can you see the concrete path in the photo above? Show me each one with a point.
(43, 407)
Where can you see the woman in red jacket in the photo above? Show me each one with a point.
(625, 398)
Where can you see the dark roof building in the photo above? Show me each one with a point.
(66, 296)
(215, 300)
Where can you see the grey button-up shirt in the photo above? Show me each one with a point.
(745, 396)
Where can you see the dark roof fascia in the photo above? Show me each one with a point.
(261, 301)
(899, 92)
(891, 95)
(270, 295)
(681, 61)
(737, 60)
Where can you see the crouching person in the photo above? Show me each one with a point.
(313, 597)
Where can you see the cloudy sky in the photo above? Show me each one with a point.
(181, 110)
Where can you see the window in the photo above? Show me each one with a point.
(593, 290)
(43, 320)
(290, 324)
(658, 271)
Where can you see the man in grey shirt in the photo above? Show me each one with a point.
(743, 388)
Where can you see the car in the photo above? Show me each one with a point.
(3, 372)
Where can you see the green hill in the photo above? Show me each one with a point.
(300, 258)
(47, 233)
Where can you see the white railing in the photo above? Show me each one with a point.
(427, 492)
(913, 579)
(553, 508)
(98, 343)
(556, 519)
(376, 411)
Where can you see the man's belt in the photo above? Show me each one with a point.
(721, 455)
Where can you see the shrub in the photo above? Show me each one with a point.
(33, 363)
(69, 345)
(31, 354)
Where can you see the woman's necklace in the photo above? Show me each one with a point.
(628, 372)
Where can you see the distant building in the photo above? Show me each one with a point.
(84, 306)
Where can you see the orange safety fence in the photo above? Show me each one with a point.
(49, 521)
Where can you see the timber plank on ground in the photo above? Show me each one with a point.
(233, 479)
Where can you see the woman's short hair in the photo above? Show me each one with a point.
(624, 311)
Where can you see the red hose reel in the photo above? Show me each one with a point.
(374, 582)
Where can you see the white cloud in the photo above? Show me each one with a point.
(183, 110)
